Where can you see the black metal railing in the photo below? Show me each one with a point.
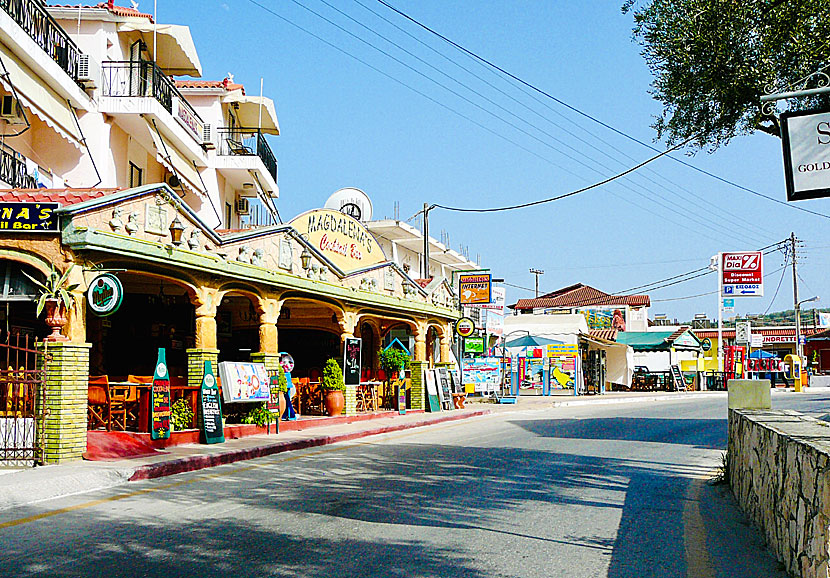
(248, 142)
(144, 78)
(33, 18)
(13, 169)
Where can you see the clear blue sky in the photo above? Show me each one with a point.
(345, 124)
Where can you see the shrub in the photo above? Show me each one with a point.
(181, 416)
(259, 415)
(332, 376)
(391, 361)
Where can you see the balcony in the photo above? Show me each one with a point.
(13, 169)
(247, 142)
(42, 28)
(142, 78)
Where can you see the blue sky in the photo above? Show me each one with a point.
(344, 124)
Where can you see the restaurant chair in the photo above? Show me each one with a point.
(97, 408)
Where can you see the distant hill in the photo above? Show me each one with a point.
(777, 318)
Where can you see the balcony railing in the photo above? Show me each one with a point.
(39, 24)
(247, 142)
(144, 78)
(13, 169)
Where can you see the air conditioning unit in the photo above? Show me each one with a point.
(89, 71)
(207, 136)
(10, 110)
(242, 206)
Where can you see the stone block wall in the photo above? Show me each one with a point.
(196, 365)
(778, 470)
(417, 393)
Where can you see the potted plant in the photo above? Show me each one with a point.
(333, 387)
(392, 361)
(56, 299)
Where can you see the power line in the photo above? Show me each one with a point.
(588, 116)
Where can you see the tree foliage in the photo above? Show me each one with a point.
(712, 61)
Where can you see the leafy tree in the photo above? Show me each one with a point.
(712, 61)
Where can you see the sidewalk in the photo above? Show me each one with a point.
(32, 485)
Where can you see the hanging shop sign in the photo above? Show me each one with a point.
(805, 137)
(341, 239)
(706, 344)
(474, 345)
(244, 382)
(29, 217)
(160, 400)
(351, 361)
(104, 295)
(474, 289)
(465, 327)
(499, 299)
(742, 274)
(212, 431)
(562, 349)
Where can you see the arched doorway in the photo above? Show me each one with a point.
(156, 312)
(310, 331)
(237, 327)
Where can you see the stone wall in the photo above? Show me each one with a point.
(778, 470)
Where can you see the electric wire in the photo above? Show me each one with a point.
(592, 118)
(783, 272)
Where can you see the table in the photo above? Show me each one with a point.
(367, 395)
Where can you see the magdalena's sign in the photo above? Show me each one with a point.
(340, 238)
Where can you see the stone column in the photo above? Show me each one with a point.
(348, 322)
(64, 401)
(420, 343)
(417, 394)
(446, 343)
(268, 317)
(206, 301)
(75, 328)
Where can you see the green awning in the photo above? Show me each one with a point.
(658, 340)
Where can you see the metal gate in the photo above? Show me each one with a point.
(22, 396)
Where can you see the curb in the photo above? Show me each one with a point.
(650, 398)
(193, 463)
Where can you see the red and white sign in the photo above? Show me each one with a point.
(743, 274)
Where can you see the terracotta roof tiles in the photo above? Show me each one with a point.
(226, 84)
(110, 5)
(580, 295)
(63, 196)
(607, 334)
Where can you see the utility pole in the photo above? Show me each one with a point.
(426, 241)
(796, 304)
(537, 272)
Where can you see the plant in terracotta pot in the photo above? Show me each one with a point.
(333, 387)
(56, 299)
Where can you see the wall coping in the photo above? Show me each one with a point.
(792, 425)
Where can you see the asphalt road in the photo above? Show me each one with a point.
(611, 490)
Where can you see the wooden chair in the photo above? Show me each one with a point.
(97, 408)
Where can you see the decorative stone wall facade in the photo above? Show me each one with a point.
(417, 394)
(778, 470)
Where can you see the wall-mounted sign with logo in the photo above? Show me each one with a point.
(104, 295)
(743, 274)
(465, 327)
(340, 238)
(706, 344)
(474, 345)
(805, 136)
(28, 217)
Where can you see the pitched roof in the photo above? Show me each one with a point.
(109, 5)
(729, 333)
(580, 295)
(607, 334)
(226, 83)
(63, 196)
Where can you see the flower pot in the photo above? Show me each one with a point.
(55, 318)
(335, 402)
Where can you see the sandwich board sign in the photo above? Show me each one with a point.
(212, 431)
(160, 400)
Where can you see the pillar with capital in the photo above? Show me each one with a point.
(269, 313)
(421, 342)
(205, 301)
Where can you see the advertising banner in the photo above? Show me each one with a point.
(30, 217)
(482, 372)
(244, 381)
(160, 400)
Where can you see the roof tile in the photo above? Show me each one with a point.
(580, 295)
(63, 196)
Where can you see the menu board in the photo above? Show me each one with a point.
(444, 390)
(432, 391)
(160, 400)
(212, 430)
(244, 382)
(351, 361)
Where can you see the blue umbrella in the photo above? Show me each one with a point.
(761, 354)
(530, 341)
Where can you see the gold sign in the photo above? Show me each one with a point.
(341, 239)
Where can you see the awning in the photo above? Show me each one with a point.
(176, 162)
(248, 111)
(175, 52)
(44, 102)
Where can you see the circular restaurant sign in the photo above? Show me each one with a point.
(706, 344)
(465, 327)
(105, 294)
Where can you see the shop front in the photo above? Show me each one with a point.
(305, 288)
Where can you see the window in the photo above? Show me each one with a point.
(14, 286)
(136, 175)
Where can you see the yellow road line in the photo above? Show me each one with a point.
(202, 477)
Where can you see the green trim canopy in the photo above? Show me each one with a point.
(659, 340)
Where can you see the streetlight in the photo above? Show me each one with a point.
(798, 350)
